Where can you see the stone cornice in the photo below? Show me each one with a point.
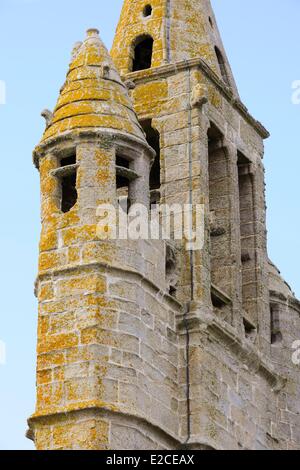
(294, 303)
(227, 92)
(121, 412)
(111, 268)
(104, 137)
(245, 351)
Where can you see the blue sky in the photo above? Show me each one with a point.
(262, 39)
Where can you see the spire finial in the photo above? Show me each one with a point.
(93, 32)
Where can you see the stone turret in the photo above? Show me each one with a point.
(92, 142)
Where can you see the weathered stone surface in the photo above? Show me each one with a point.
(113, 354)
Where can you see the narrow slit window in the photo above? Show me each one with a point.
(69, 192)
(153, 139)
(222, 66)
(276, 336)
(125, 175)
(67, 174)
(143, 51)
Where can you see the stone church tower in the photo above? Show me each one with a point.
(143, 344)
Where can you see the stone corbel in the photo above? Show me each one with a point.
(199, 96)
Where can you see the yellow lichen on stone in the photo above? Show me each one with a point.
(143, 97)
(78, 235)
(92, 97)
(82, 285)
(57, 342)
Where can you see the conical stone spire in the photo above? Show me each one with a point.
(181, 30)
(93, 95)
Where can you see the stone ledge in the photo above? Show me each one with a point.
(291, 301)
(108, 412)
(109, 269)
(245, 351)
(294, 303)
(170, 69)
(105, 138)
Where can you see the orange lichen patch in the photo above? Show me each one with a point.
(50, 212)
(73, 254)
(59, 374)
(96, 317)
(92, 121)
(91, 53)
(103, 175)
(81, 354)
(44, 377)
(92, 107)
(46, 412)
(214, 97)
(91, 387)
(43, 325)
(98, 251)
(48, 360)
(89, 335)
(48, 185)
(43, 438)
(62, 322)
(68, 219)
(143, 97)
(46, 292)
(49, 395)
(48, 240)
(52, 307)
(87, 435)
(97, 93)
(51, 260)
(81, 234)
(98, 335)
(47, 164)
(57, 342)
(89, 300)
(93, 283)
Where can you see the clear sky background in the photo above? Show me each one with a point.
(262, 38)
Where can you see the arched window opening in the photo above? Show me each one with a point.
(147, 11)
(153, 139)
(143, 50)
(222, 66)
(276, 335)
